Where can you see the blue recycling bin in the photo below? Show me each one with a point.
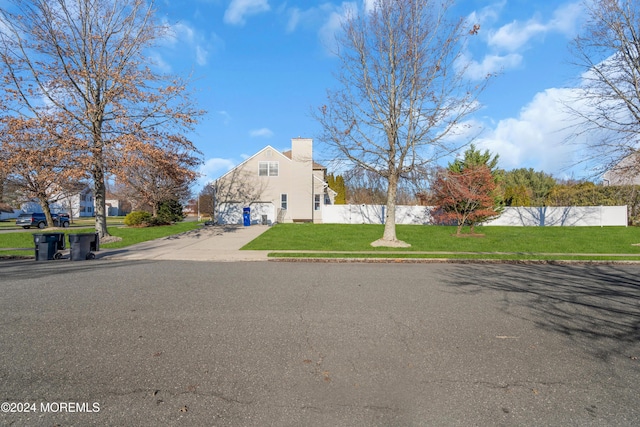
(246, 216)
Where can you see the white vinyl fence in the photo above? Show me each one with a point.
(594, 216)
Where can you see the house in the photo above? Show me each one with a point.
(77, 204)
(7, 212)
(626, 172)
(275, 186)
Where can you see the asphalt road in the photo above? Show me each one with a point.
(321, 344)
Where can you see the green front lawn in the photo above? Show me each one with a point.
(10, 224)
(130, 236)
(522, 240)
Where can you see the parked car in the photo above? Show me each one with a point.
(28, 220)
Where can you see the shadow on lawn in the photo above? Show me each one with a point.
(596, 306)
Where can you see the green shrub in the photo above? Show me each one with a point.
(158, 220)
(169, 211)
(137, 219)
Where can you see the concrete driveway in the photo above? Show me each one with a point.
(209, 243)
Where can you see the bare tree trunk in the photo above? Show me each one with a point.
(402, 88)
(389, 236)
(44, 204)
(100, 193)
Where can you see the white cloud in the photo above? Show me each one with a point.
(201, 55)
(566, 19)
(369, 5)
(516, 35)
(182, 34)
(487, 15)
(537, 137)
(490, 64)
(239, 9)
(507, 43)
(159, 62)
(333, 24)
(213, 168)
(294, 19)
(226, 117)
(261, 133)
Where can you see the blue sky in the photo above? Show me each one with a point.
(261, 66)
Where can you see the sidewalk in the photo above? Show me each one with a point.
(208, 243)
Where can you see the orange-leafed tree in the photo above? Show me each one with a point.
(464, 197)
(154, 175)
(38, 166)
(87, 61)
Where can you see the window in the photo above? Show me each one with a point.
(316, 203)
(283, 201)
(268, 169)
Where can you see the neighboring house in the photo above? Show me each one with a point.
(275, 186)
(116, 207)
(7, 212)
(81, 204)
(76, 205)
(626, 172)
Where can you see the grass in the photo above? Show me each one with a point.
(130, 236)
(496, 242)
(10, 224)
(454, 256)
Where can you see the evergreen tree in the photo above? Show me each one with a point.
(473, 158)
(341, 197)
(526, 187)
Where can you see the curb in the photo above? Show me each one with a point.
(452, 261)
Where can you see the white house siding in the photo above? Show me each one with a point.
(261, 212)
(511, 216)
(243, 187)
(230, 213)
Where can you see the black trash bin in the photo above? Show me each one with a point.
(83, 245)
(48, 245)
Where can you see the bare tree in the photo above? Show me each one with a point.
(365, 186)
(154, 175)
(402, 92)
(85, 60)
(607, 105)
(206, 199)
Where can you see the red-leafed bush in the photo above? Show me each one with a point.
(464, 197)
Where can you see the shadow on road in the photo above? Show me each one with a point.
(596, 306)
(49, 271)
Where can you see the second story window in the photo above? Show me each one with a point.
(268, 169)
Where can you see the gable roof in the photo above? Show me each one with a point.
(626, 171)
(238, 166)
(316, 166)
